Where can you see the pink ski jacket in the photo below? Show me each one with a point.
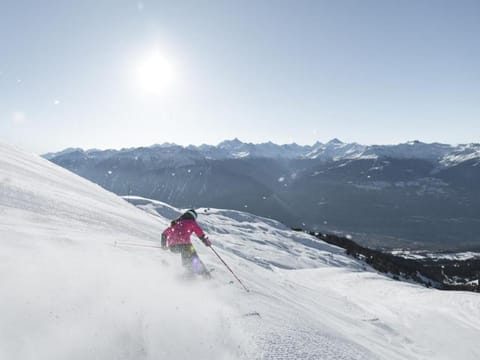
(180, 232)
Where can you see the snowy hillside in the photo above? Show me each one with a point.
(69, 293)
(82, 281)
(316, 303)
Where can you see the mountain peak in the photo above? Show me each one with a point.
(230, 143)
(335, 141)
(165, 145)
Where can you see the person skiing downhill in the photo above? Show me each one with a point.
(177, 238)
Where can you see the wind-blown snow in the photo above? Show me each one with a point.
(69, 293)
(82, 283)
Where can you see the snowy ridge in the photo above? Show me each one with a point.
(77, 290)
(270, 244)
(335, 150)
(461, 154)
(429, 255)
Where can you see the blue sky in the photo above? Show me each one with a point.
(286, 71)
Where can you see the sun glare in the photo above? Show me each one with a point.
(155, 73)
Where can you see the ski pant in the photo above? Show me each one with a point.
(190, 259)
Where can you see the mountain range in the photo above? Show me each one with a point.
(335, 149)
(412, 195)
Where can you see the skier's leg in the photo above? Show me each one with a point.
(191, 261)
(186, 256)
(184, 252)
(198, 266)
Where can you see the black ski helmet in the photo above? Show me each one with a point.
(191, 213)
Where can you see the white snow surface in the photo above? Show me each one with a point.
(79, 280)
(69, 293)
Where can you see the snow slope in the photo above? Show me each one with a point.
(69, 293)
(316, 303)
(83, 282)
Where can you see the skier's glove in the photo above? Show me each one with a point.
(206, 241)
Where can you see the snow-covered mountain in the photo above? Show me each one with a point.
(335, 150)
(411, 150)
(418, 195)
(462, 154)
(238, 149)
(80, 279)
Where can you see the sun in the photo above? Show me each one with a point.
(155, 73)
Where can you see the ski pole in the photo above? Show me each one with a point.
(139, 245)
(228, 267)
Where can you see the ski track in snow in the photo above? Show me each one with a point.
(291, 344)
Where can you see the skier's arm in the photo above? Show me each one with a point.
(206, 240)
(201, 235)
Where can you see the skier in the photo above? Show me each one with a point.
(177, 238)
